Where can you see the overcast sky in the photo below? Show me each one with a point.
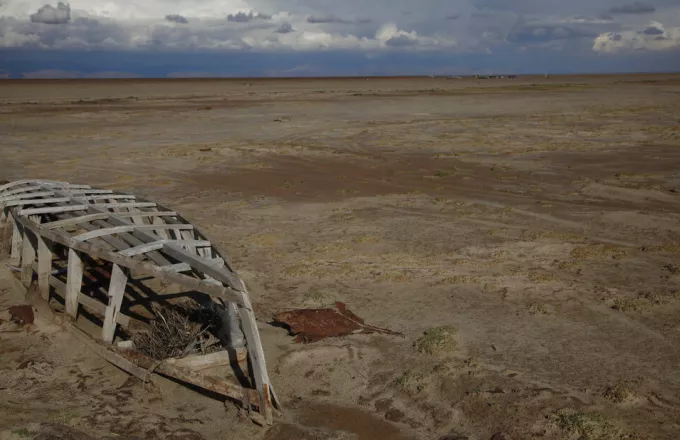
(324, 37)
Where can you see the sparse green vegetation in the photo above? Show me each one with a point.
(409, 379)
(23, 432)
(437, 341)
(314, 296)
(442, 173)
(588, 426)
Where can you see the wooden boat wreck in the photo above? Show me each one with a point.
(107, 257)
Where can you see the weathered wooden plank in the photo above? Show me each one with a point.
(17, 239)
(90, 303)
(143, 248)
(126, 205)
(23, 202)
(141, 267)
(201, 264)
(7, 198)
(9, 185)
(104, 197)
(28, 250)
(116, 294)
(257, 359)
(37, 182)
(44, 267)
(103, 216)
(202, 362)
(179, 267)
(52, 210)
(160, 232)
(116, 359)
(76, 220)
(147, 247)
(76, 192)
(74, 282)
(121, 229)
(102, 232)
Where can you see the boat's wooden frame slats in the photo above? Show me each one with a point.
(137, 238)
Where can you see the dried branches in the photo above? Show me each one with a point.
(179, 331)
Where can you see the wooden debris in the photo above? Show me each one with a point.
(94, 247)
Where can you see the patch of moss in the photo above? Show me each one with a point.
(437, 341)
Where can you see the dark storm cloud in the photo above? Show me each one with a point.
(453, 17)
(176, 18)
(242, 17)
(285, 28)
(653, 31)
(48, 14)
(633, 8)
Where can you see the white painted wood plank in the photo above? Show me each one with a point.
(116, 294)
(74, 282)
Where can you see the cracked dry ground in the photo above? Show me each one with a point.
(523, 235)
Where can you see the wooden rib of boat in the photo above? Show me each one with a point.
(64, 235)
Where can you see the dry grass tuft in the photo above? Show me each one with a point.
(540, 277)
(587, 426)
(365, 239)
(617, 393)
(264, 239)
(437, 341)
(555, 235)
(536, 309)
(598, 251)
(458, 279)
(664, 249)
(629, 304)
(179, 331)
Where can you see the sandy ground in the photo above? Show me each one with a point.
(536, 220)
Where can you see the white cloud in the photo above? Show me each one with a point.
(654, 37)
(371, 25)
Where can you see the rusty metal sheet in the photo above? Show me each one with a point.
(311, 325)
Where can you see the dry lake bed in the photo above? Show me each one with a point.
(523, 235)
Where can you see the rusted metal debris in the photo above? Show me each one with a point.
(312, 325)
(22, 315)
